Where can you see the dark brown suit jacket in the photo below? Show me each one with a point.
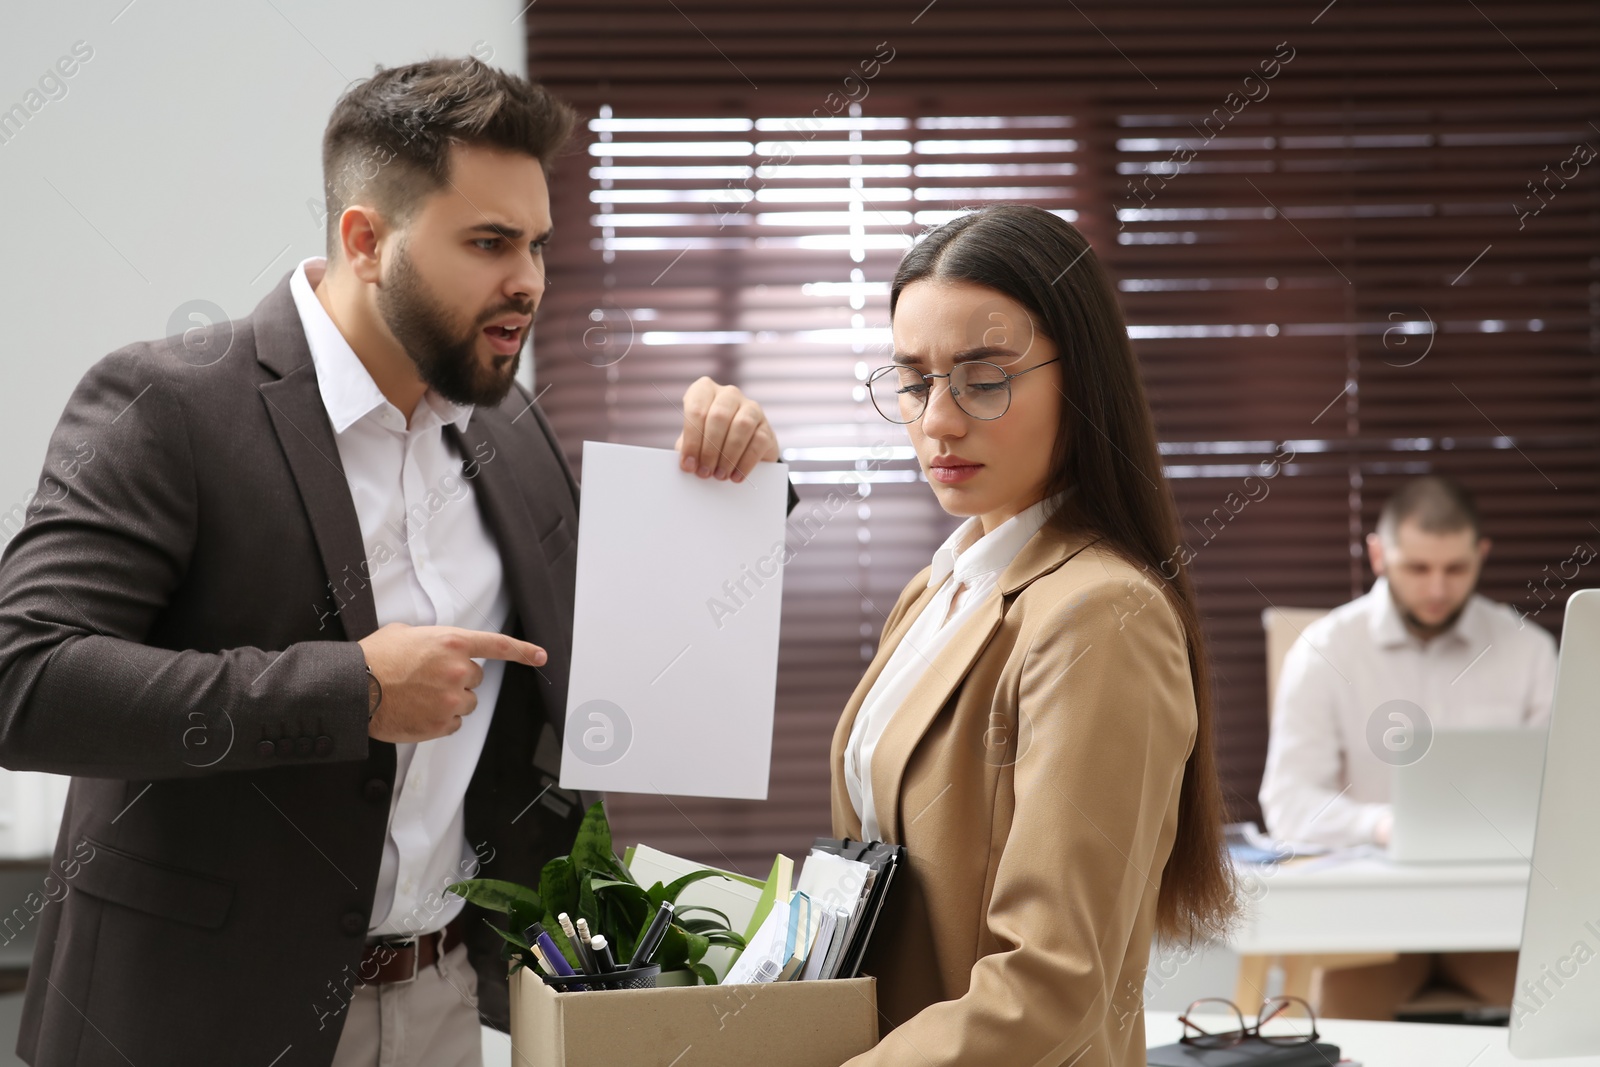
(177, 632)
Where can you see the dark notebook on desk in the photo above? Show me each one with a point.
(1251, 1052)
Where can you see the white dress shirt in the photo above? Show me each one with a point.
(972, 562)
(431, 562)
(1323, 782)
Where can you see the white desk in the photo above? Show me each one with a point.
(1370, 905)
(1396, 1044)
(496, 1048)
(1371, 1044)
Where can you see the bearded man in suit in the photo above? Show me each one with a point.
(296, 615)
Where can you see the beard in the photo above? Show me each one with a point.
(445, 353)
(1428, 629)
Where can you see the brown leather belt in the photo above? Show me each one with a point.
(400, 959)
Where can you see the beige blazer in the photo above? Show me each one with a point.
(1033, 776)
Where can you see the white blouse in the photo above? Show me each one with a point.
(973, 563)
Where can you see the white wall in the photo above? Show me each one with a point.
(175, 164)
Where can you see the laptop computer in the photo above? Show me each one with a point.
(1472, 798)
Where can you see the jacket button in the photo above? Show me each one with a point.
(266, 748)
(285, 746)
(302, 746)
(377, 789)
(353, 923)
(324, 745)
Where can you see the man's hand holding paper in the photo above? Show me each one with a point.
(725, 433)
(678, 598)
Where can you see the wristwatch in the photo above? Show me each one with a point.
(374, 694)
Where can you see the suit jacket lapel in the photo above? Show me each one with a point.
(1043, 553)
(509, 518)
(306, 436)
(841, 732)
(305, 433)
(922, 705)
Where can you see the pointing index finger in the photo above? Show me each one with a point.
(485, 645)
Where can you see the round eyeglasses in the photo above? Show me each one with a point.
(1283, 1020)
(980, 389)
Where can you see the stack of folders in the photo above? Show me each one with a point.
(822, 929)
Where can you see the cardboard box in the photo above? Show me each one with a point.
(775, 1024)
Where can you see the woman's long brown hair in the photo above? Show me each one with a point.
(1105, 450)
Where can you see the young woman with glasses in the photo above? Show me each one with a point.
(1035, 728)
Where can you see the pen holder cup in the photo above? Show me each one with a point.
(641, 977)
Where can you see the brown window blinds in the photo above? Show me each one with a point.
(1353, 244)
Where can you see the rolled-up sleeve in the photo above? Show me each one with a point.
(1303, 795)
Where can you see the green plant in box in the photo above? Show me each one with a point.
(592, 882)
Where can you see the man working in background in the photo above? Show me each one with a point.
(1421, 634)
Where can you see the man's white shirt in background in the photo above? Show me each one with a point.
(1323, 784)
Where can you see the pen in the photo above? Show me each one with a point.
(579, 944)
(652, 936)
(602, 954)
(588, 946)
(552, 954)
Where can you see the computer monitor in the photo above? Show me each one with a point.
(1556, 1008)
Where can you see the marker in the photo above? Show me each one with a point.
(552, 954)
(602, 954)
(652, 936)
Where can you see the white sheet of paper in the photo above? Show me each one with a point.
(764, 957)
(675, 633)
(833, 881)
